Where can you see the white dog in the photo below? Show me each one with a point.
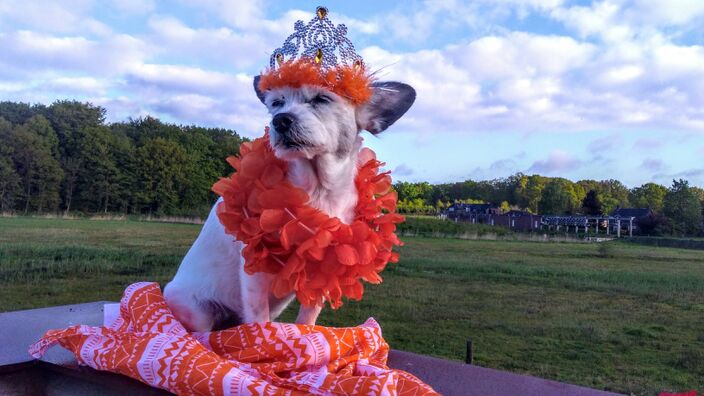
(317, 132)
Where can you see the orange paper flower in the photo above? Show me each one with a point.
(310, 253)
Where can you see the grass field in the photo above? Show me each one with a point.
(621, 317)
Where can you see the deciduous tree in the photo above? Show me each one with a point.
(683, 208)
(39, 172)
(649, 195)
(613, 194)
(591, 204)
(69, 119)
(558, 197)
(529, 192)
(160, 172)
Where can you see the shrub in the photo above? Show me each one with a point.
(429, 226)
(606, 250)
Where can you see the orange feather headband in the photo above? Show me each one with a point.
(311, 254)
(348, 81)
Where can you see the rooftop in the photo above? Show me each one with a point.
(631, 212)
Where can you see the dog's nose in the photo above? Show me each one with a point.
(282, 122)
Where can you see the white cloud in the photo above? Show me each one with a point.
(596, 19)
(611, 73)
(59, 16)
(599, 146)
(444, 89)
(403, 170)
(653, 164)
(121, 108)
(354, 25)
(616, 21)
(647, 143)
(498, 168)
(31, 51)
(415, 22)
(180, 78)
(194, 95)
(622, 74)
(137, 7)
(186, 107)
(558, 162)
(414, 27)
(694, 175)
(552, 82)
(88, 85)
(521, 54)
(240, 14)
(670, 12)
(618, 65)
(675, 61)
(217, 45)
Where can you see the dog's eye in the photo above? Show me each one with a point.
(277, 103)
(320, 99)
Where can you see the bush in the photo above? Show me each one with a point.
(606, 250)
(654, 224)
(429, 226)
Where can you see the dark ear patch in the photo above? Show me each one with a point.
(389, 102)
(259, 93)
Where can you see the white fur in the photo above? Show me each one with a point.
(324, 166)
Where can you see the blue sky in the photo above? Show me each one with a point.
(579, 89)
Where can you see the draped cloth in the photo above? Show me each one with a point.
(147, 343)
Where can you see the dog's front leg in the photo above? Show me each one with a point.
(308, 315)
(255, 296)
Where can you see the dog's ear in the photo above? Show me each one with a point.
(390, 100)
(259, 93)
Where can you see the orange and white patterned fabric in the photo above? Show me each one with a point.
(147, 343)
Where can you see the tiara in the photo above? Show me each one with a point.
(319, 40)
(319, 53)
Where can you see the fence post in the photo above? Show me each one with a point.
(630, 227)
(469, 358)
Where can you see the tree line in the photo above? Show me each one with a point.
(678, 209)
(66, 158)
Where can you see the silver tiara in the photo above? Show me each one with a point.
(318, 40)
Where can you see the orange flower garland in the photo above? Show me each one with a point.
(308, 252)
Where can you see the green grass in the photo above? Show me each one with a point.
(624, 317)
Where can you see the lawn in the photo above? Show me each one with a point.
(621, 317)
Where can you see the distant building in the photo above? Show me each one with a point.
(463, 209)
(518, 213)
(637, 213)
(473, 213)
(520, 220)
(491, 214)
(622, 219)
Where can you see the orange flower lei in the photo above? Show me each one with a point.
(308, 252)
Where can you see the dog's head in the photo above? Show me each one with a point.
(311, 120)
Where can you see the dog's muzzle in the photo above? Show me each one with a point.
(283, 122)
(284, 125)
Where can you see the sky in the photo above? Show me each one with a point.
(577, 89)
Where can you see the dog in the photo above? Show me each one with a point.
(318, 133)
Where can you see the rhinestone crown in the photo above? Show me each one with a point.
(319, 40)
